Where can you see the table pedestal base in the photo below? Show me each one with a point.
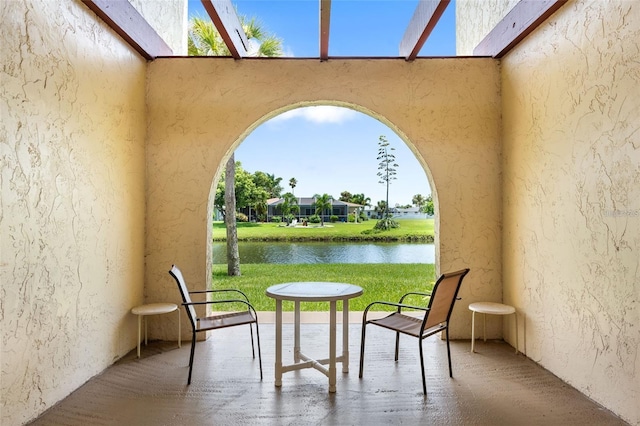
(302, 361)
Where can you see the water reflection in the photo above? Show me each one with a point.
(328, 252)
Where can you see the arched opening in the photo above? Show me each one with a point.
(421, 185)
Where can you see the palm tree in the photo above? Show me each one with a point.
(289, 204)
(418, 200)
(261, 210)
(292, 183)
(360, 199)
(205, 40)
(274, 182)
(259, 201)
(322, 203)
(269, 182)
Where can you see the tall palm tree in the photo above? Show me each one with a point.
(292, 183)
(205, 40)
(322, 203)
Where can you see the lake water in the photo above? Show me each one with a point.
(328, 252)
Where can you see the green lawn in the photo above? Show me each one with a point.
(379, 281)
(409, 230)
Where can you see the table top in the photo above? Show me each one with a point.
(492, 308)
(314, 291)
(154, 309)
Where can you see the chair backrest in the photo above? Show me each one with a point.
(443, 297)
(186, 298)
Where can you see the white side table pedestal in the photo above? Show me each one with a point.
(492, 309)
(154, 309)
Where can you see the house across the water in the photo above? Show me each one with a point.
(341, 209)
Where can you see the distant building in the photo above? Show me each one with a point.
(341, 209)
(399, 213)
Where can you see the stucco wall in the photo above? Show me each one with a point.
(571, 108)
(446, 110)
(72, 212)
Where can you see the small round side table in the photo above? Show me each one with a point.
(491, 308)
(154, 309)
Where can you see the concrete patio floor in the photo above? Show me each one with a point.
(491, 387)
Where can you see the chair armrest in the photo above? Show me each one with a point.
(398, 305)
(220, 291)
(414, 293)
(215, 302)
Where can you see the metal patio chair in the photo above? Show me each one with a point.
(213, 322)
(436, 317)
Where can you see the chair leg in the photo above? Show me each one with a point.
(253, 351)
(364, 327)
(448, 352)
(259, 351)
(424, 380)
(193, 349)
(397, 346)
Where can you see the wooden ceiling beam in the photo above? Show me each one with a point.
(127, 22)
(325, 21)
(224, 17)
(424, 20)
(525, 17)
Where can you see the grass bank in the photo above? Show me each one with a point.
(414, 230)
(379, 281)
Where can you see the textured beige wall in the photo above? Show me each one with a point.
(476, 19)
(446, 110)
(72, 210)
(169, 19)
(571, 117)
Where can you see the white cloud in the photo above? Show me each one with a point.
(318, 114)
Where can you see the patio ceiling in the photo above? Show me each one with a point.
(123, 18)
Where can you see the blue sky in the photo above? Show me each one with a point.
(331, 149)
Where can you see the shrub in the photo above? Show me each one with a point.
(333, 218)
(314, 219)
(241, 217)
(386, 224)
(351, 218)
(276, 219)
